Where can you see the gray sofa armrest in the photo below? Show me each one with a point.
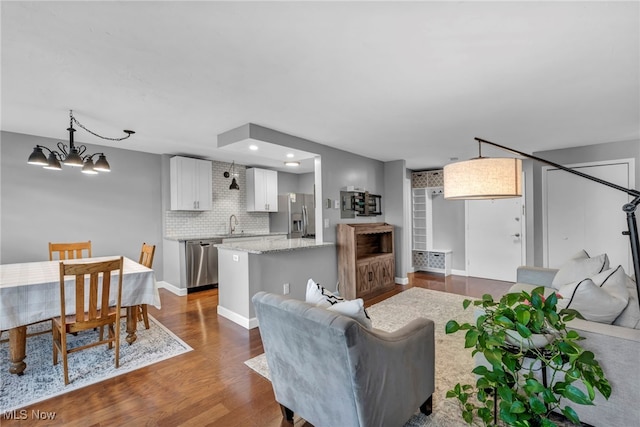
(617, 349)
(538, 276)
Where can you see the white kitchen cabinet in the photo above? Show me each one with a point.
(190, 184)
(262, 190)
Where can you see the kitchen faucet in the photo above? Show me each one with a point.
(232, 228)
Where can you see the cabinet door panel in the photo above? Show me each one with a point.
(363, 279)
(375, 274)
(203, 185)
(388, 272)
(262, 190)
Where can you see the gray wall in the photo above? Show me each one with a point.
(583, 154)
(295, 182)
(117, 211)
(393, 207)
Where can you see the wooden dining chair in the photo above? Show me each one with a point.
(146, 259)
(92, 308)
(70, 250)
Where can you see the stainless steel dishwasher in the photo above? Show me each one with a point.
(202, 264)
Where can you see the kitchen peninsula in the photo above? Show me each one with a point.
(279, 266)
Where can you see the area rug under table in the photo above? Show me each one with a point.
(42, 380)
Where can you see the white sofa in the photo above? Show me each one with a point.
(617, 348)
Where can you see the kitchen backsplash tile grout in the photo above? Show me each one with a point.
(189, 224)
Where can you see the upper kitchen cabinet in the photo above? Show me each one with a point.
(190, 184)
(262, 190)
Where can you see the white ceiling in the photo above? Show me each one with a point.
(387, 80)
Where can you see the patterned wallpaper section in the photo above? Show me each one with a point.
(186, 224)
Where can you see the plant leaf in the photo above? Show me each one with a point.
(523, 316)
(576, 395)
(517, 407)
(504, 321)
(451, 327)
(571, 415)
(471, 338)
(537, 406)
(523, 330)
(533, 386)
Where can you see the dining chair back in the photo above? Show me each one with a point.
(93, 308)
(70, 250)
(146, 259)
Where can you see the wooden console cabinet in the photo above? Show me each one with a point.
(366, 262)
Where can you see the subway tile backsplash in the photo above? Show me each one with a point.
(187, 224)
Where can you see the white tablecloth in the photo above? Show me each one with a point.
(30, 292)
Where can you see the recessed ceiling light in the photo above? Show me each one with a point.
(290, 155)
(292, 164)
(253, 147)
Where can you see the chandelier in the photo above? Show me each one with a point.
(73, 155)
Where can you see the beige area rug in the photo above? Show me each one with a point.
(453, 363)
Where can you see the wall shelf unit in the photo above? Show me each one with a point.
(359, 203)
(425, 186)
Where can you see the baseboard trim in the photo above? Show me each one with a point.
(171, 288)
(459, 272)
(236, 318)
(402, 280)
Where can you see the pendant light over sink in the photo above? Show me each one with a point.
(73, 155)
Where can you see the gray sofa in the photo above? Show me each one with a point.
(617, 348)
(332, 371)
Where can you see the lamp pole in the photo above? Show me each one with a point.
(628, 208)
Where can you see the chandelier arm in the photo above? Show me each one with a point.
(62, 148)
(74, 120)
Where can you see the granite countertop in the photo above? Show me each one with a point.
(270, 246)
(223, 236)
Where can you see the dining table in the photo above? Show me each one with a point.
(30, 293)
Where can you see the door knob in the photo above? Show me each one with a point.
(516, 235)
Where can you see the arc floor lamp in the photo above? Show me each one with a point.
(500, 178)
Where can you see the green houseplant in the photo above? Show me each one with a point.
(509, 334)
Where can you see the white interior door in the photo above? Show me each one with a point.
(495, 238)
(582, 214)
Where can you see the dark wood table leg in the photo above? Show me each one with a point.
(17, 349)
(132, 321)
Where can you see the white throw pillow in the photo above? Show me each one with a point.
(601, 304)
(577, 269)
(630, 316)
(318, 295)
(354, 309)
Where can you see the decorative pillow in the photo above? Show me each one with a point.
(630, 316)
(602, 303)
(317, 295)
(320, 297)
(354, 309)
(577, 269)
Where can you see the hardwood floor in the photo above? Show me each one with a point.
(209, 386)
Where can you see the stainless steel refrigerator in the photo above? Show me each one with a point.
(296, 216)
